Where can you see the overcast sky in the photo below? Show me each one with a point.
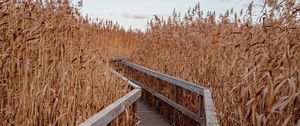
(136, 13)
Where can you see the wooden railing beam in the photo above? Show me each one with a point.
(210, 111)
(179, 82)
(168, 101)
(110, 112)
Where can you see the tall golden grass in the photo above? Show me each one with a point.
(52, 64)
(53, 71)
(252, 68)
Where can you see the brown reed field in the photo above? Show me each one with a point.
(53, 67)
(52, 64)
(252, 67)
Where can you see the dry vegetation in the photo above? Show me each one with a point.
(52, 69)
(252, 68)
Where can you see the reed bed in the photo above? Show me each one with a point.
(251, 66)
(52, 64)
(53, 67)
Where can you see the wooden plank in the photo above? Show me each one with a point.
(199, 105)
(124, 78)
(185, 111)
(179, 82)
(210, 111)
(150, 117)
(110, 112)
(118, 58)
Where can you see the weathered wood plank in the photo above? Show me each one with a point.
(124, 78)
(149, 117)
(179, 82)
(113, 59)
(210, 111)
(185, 111)
(110, 112)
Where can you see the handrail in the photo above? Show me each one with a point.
(178, 82)
(210, 112)
(110, 112)
(169, 101)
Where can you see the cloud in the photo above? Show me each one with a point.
(112, 14)
(135, 16)
(162, 15)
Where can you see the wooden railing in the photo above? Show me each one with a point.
(203, 93)
(112, 111)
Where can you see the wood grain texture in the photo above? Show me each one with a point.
(210, 111)
(149, 117)
(109, 113)
(185, 111)
(179, 82)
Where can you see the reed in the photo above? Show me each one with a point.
(52, 69)
(251, 67)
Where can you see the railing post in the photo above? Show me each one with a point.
(205, 100)
(174, 112)
(199, 107)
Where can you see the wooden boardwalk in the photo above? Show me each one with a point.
(149, 117)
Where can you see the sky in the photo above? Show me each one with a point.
(136, 13)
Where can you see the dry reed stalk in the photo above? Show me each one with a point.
(251, 68)
(51, 64)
